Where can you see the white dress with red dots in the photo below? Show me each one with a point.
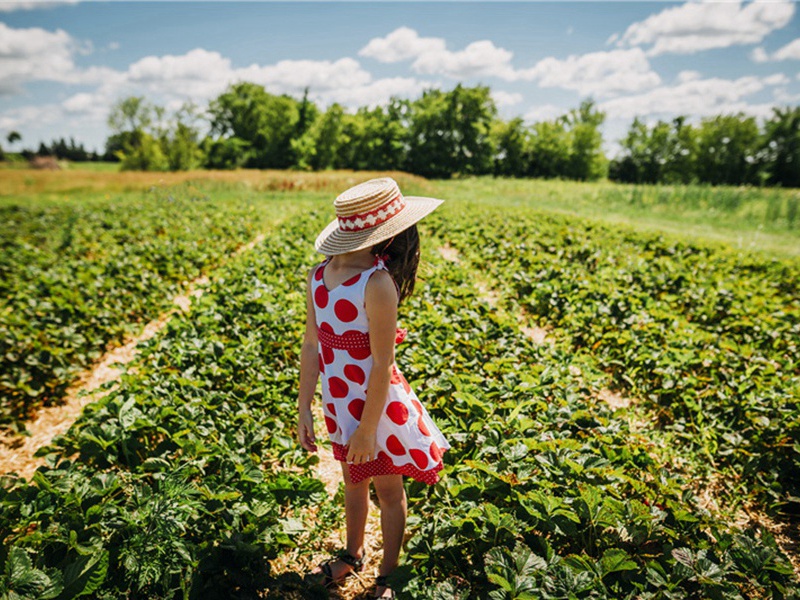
(408, 441)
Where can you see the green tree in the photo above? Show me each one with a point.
(449, 132)
(511, 143)
(267, 122)
(179, 139)
(727, 148)
(374, 139)
(586, 159)
(664, 153)
(13, 137)
(549, 149)
(328, 137)
(779, 153)
(140, 151)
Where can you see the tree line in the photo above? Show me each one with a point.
(444, 133)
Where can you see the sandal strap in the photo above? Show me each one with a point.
(351, 560)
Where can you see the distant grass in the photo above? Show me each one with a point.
(32, 183)
(746, 218)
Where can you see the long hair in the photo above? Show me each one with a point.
(403, 251)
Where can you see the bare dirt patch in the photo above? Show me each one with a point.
(449, 253)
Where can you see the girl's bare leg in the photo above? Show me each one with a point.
(356, 508)
(392, 496)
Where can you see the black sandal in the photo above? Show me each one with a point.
(381, 580)
(345, 557)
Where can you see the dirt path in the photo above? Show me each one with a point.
(17, 452)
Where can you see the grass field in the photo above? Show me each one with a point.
(185, 480)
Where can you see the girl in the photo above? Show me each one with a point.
(378, 428)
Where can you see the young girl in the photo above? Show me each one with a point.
(378, 428)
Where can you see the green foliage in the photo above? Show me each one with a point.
(187, 476)
(266, 122)
(449, 132)
(666, 153)
(703, 335)
(78, 276)
(726, 150)
(781, 147)
(145, 141)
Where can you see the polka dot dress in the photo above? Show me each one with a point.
(408, 441)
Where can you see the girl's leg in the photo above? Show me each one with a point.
(392, 496)
(356, 508)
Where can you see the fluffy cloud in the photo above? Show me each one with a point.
(293, 76)
(543, 112)
(502, 98)
(402, 44)
(790, 51)
(35, 54)
(431, 56)
(11, 6)
(696, 98)
(696, 26)
(599, 73)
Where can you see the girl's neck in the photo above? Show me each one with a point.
(357, 259)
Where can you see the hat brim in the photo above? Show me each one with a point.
(334, 241)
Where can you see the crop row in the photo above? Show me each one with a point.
(545, 493)
(79, 275)
(705, 336)
(186, 480)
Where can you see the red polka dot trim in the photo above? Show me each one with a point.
(383, 465)
(350, 340)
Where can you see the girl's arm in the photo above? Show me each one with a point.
(380, 301)
(309, 373)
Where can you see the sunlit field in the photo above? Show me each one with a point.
(648, 448)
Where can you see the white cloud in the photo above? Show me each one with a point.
(375, 93)
(790, 51)
(600, 73)
(543, 112)
(431, 56)
(503, 98)
(759, 55)
(695, 98)
(688, 75)
(17, 118)
(697, 26)
(35, 54)
(776, 79)
(402, 44)
(11, 6)
(782, 96)
(293, 76)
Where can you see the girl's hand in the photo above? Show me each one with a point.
(305, 430)
(363, 446)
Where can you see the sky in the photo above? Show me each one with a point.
(63, 65)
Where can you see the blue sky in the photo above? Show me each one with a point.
(64, 64)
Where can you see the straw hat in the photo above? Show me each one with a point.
(369, 213)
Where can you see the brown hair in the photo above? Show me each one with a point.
(403, 251)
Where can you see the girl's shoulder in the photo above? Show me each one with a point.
(381, 282)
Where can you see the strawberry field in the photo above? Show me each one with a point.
(186, 480)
